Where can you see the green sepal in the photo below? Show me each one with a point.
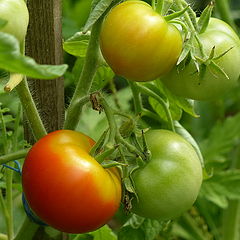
(111, 163)
(176, 14)
(204, 18)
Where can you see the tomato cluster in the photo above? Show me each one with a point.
(66, 187)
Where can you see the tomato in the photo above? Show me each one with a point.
(138, 43)
(169, 183)
(16, 14)
(185, 82)
(66, 187)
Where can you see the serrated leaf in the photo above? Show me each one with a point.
(12, 60)
(151, 228)
(221, 187)
(134, 221)
(222, 139)
(77, 44)
(98, 9)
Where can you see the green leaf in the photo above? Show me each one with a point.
(99, 7)
(103, 75)
(12, 60)
(104, 233)
(77, 44)
(222, 139)
(176, 104)
(128, 233)
(135, 221)
(221, 187)
(152, 228)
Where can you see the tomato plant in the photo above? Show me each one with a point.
(169, 183)
(138, 43)
(16, 15)
(66, 187)
(186, 81)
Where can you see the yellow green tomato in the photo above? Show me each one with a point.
(138, 43)
(186, 82)
(169, 183)
(15, 12)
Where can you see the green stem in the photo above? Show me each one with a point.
(4, 132)
(30, 109)
(8, 206)
(9, 202)
(137, 101)
(111, 121)
(147, 113)
(86, 78)
(131, 148)
(150, 93)
(190, 224)
(231, 216)
(225, 12)
(13, 156)
(27, 230)
(231, 221)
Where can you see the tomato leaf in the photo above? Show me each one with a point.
(222, 187)
(98, 8)
(222, 139)
(13, 61)
(104, 233)
(127, 233)
(77, 44)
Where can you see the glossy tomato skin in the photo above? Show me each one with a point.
(186, 83)
(169, 183)
(15, 12)
(67, 188)
(138, 43)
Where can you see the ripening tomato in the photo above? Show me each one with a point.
(169, 183)
(186, 82)
(138, 43)
(15, 12)
(66, 187)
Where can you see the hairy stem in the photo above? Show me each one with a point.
(30, 110)
(86, 77)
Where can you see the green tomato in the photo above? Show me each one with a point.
(15, 12)
(185, 82)
(138, 43)
(169, 183)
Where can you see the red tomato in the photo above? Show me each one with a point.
(66, 187)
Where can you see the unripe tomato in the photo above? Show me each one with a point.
(169, 183)
(185, 82)
(138, 43)
(66, 187)
(15, 12)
